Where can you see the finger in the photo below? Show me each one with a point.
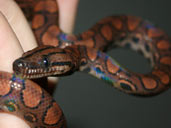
(10, 50)
(18, 23)
(9, 44)
(11, 121)
(67, 14)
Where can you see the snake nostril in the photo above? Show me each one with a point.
(18, 64)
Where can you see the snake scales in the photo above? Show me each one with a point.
(63, 54)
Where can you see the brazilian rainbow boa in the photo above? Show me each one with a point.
(60, 54)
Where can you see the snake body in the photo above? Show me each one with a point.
(60, 54)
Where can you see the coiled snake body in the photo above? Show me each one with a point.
(63, 54)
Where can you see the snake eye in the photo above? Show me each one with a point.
(45, 62)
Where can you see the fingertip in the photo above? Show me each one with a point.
(67, 14)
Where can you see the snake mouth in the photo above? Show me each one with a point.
(32, 73)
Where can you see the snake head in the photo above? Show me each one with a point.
(45, 61)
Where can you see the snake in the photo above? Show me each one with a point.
(61, 54)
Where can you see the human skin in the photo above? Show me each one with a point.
(14, 41)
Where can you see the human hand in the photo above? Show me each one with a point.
(16, 37)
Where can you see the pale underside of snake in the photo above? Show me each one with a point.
(60, 54)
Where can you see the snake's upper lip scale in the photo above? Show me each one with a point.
(40, 72)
